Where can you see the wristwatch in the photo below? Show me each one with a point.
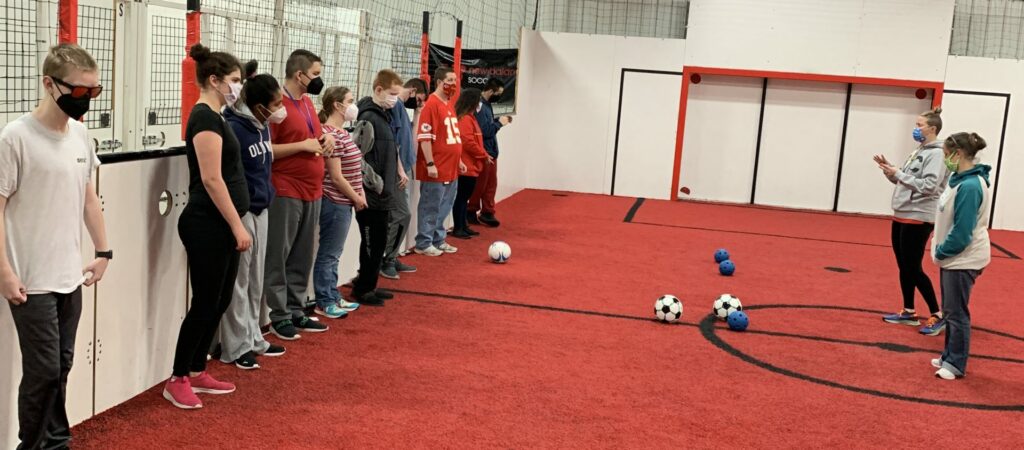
(430, 164)
(109, 254)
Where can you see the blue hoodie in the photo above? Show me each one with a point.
(254, 139)
(489, 127)
(961, 226)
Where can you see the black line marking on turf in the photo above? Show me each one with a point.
(559, 195)
(632, 210)
(757, 145)
(708, 330)
(842, 145)
(1002, 141)
(1008, 253)
(582, 312)
(618, 115)
(838, 269)
(781, 236)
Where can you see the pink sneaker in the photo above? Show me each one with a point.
(179, 392)
(205, 384)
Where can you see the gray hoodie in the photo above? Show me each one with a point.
(919, 183)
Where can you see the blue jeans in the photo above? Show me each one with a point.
(436, 201)
(334, 222)
(956, 294)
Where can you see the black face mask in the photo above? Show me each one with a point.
(495, 98)
(315, 86)
(75, 108)
(412, 102)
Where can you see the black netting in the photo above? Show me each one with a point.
(96, 34)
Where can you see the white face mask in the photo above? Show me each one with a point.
(232, 97)
(279, 115)
(390, 101)
(351, 112)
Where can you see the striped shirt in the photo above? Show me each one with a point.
(351, 165)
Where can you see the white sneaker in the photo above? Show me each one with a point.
(429, 251)
(444, 247)
(937, 363)
(945, 374)
(348, 306)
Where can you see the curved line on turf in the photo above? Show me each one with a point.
(707, 329)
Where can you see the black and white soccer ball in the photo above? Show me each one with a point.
(725, 305)
(668, 308)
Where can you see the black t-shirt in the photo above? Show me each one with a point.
(203, 118)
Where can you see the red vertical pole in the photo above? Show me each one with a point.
(458, 60)
(425, 50)
(684, 93)
(189, 87)
(67, 21)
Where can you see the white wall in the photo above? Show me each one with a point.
(870, 38)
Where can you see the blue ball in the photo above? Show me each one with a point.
(721, 255)
(727, 268)
(738, 321)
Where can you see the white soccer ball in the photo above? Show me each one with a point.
(668, 308)
(499, 252)
(725, 305)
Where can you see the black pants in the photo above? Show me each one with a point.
(46, 324)
(908, 244)
(466, 187)
(213, 266)
(373, 229)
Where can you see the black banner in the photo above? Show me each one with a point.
(478, 66)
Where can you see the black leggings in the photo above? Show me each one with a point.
(466, 187)
(908, 244)
(213, 266)
(373, 229)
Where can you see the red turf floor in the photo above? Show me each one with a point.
(456, 371)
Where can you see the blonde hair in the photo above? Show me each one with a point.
(64, 57)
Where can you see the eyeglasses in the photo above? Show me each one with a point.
(80, 91)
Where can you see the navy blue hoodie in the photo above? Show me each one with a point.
(254, 139)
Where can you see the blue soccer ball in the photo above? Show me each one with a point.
(738, 321)
(727, 268)
(721, 255)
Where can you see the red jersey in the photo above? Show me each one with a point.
(439, 126)
(301, 175)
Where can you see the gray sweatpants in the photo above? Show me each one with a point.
(956, 293)
(290, 238)
(46, 324)
(240, 324)
(398, 225)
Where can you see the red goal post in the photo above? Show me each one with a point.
(692, 74)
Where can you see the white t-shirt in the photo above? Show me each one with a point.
(44, 175)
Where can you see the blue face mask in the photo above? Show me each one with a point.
(918, 136)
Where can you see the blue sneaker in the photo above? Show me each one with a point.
(332, 311)
(347, 306)
(934, 326)
(903, 317)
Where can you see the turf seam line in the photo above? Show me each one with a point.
(1008, 253)
(632, 210)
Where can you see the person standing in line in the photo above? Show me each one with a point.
(210, 226)
(412, 97)
(297, 175)
(259, 105)
(961, 247)
(919, 183)
(438, 165)
(482, 202)
(47, 162)
(474, 157)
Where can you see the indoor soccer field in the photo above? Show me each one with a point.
(559, 347)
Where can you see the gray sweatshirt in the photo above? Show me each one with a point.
(919, 183)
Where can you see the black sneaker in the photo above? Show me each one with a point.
(461, 234)
(274, 350)
(247, 361)
(285, 329)
(384, 294)
(471, 218)
(389, 271)
(489, 220)
(215, 353)
(310, 325)
(369, 299)
(404, 268)
(471, 231)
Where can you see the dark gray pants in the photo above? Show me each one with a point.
(46, 324)
(956, 293)
(290, 239)
(398, 223)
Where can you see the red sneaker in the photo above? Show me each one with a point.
(205, 384)
(178, 391)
